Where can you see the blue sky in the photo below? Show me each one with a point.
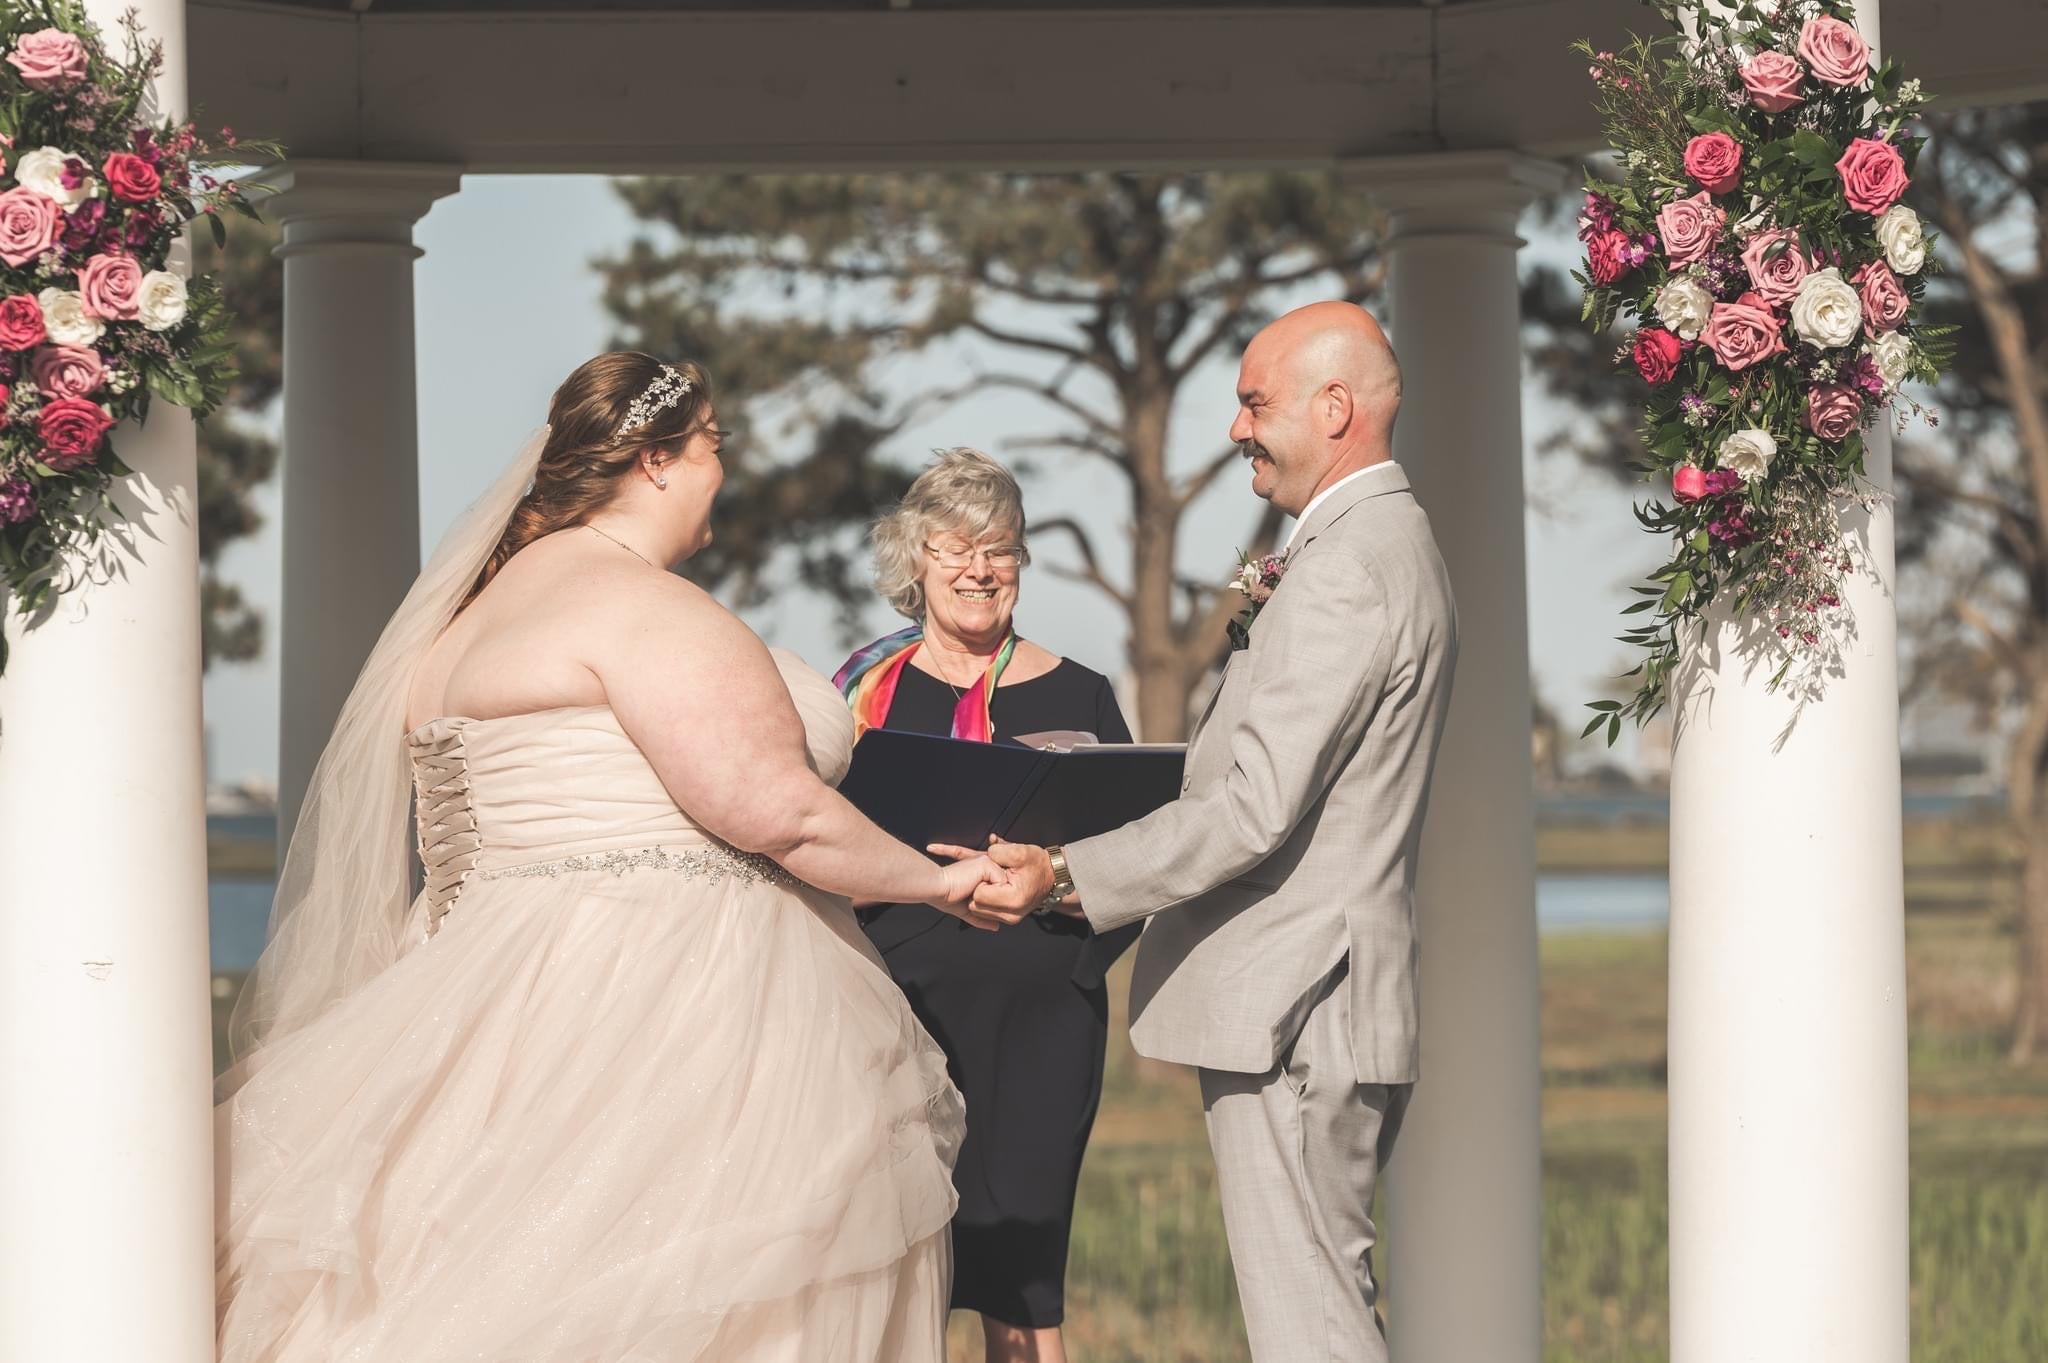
(508, 304)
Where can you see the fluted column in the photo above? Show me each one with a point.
(1788, 1019)
(1465, 1183)
(351, 441)
(106, 1168)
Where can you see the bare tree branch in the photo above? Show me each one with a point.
(1090, 571)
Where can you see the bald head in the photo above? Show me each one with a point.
(1317, 396)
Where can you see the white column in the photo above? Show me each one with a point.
(351, 441)
(1788, 1023)
(1465, 1183)
(106, 1244)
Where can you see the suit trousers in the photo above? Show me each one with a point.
(1298, 1154)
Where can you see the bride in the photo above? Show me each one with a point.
(624, 1081)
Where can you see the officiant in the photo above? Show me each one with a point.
(1022, 1014)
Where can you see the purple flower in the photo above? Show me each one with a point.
(76, 172)
(1861, 374)
(1720, 482)
(82, 225)
(1597, 217)
(146, 147)
(142, 225)
(17, 501)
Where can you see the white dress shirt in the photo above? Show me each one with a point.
(1380, 468)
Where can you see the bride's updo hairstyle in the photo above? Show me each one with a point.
(601, 418)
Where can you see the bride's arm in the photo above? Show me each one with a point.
(701, 697)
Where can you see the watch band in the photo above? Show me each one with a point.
(1062, 880)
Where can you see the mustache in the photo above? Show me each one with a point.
(1252, 449)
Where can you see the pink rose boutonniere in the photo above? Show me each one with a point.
(1256, 578)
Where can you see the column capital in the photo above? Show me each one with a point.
(334, 204)
(1466, 195)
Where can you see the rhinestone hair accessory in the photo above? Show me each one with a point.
(668, 389)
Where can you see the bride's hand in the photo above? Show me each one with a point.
(958, 880)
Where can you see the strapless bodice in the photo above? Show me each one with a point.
(565, 790)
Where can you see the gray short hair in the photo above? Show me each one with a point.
(965, 492)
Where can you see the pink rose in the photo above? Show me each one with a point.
(109, 285)
(28, 225)
(1775, 264)
(67, 371)
(1832, 411)
(1884, 299)
(49, 59)
(21, 322)
(1773, 80)
(71, 430)
(1715, 160)
(1873, 175)
(1689, 483)
(1742, 334)
(132, 179)
(1605, 262)
(1689, 227)
(1835, 51)
(1656, 354)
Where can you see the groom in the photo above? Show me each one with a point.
(1281, 954)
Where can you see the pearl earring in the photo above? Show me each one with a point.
(661, 482)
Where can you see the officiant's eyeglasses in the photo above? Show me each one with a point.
(1004, 558)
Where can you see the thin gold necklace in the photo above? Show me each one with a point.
(622, 544)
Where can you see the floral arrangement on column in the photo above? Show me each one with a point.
(96, 191)
(1757, 241)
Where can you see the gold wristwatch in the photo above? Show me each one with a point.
(1062, 880)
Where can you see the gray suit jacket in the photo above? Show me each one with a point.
(1293, 845)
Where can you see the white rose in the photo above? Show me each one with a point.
(42, 170)
(1892, 353)
(1684, 306)
(1826, 312)
(65, 318)
(1749, 453)
(1898, 231)
(161, 300)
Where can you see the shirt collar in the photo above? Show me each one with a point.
(1382, 467)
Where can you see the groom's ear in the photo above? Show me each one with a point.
(1335, 408)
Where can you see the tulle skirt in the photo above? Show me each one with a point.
(597, 1118)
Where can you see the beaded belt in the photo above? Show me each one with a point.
(710, 863)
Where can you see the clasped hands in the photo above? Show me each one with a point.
(998, 887)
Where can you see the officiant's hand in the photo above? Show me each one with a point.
(959, 882)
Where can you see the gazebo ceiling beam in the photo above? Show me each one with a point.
(641, 91)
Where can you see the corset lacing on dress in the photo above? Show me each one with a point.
(451, 842)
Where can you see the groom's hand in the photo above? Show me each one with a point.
(1026, 880)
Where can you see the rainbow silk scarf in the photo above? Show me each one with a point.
(868, 681)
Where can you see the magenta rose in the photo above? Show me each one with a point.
(67, 371)
(21, 322)
(1689, 227)
(1656, 354)
(1873, 175)
(1688, 483)
(28, 225)
(1834, 51)
(71, 430)
(1884, 298)
(1832, 411)
(109, 285)
(1775, 264)
(1742, 334)
(132, 179)
(1605, 258)
(1773, 80)
(49, 59)
(1715, 160)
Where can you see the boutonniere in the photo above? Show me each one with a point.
(1256, 578)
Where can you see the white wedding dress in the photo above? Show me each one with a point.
(633, 1096)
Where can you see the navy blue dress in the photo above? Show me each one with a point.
(1022, 1015)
